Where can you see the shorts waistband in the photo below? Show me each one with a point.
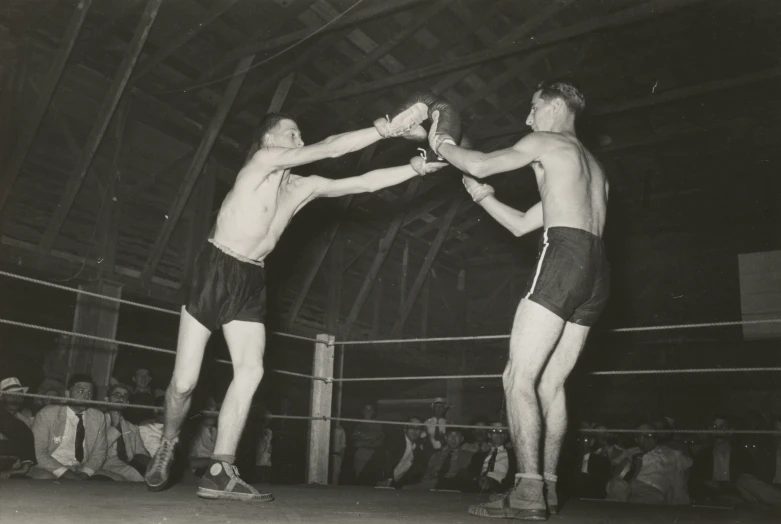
(228, 251)
(570, 232)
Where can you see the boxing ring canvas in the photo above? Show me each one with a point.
(35, 502)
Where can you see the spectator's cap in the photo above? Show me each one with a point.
(440, 400)
(12, 384)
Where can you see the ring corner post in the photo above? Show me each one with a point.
(318, 450)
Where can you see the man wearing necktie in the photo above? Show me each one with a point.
(448, 468)
(70, 439)
(497, 466)
(127, 457)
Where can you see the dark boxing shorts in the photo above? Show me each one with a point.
(572, 275)
(224, 288)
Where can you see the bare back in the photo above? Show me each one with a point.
(572, 185)
(258, 209)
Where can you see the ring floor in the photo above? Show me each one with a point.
(37, 502)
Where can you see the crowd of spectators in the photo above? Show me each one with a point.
(45, 439)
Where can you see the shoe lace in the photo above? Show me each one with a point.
(163, 456)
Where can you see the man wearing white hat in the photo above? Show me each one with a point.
(436, 426)
(17, 449)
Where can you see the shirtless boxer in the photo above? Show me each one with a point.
(566, 293)
(228, 286)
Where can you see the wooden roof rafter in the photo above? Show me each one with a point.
(98, 131)
(645, 11)
(36, 116)
(194, 171)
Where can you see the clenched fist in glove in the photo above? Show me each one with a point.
(477, 190)
(436, 138)
(422, 167)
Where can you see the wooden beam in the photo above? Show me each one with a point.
(404, 273)
(16, 253)
(183, 37)
(377, 317)
(418, 21)
(336, 259)
(280, 94)
(627, 16)
(661, 98)
(455, 38)
(424, 315)
(431, 257)
(108, 219)
(328, 239)
(220, 58)
(382, 253)
(346, 22)
(196, 166)
(290, 67)
(118, 13)
(34, 118)
(200, 220)
(99, 129)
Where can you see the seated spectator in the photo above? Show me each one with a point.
(338, 446)
(768, 457)
(494, 471)
(478, 443)
(263, 450)
(448, 468)
(205, 438)
(366, 439)
(142, 393)
(402, 457)
(649, 472)
(436, 425)
(50, 388)
(594, 458)
(17, 449)
(151, 429)
(724, 473)
(70, 440)
(127, 458)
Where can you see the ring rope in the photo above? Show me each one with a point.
(397, 340)
(138, 346)
(502, 337)
(381, 379)
(67, 400)
(128, 302)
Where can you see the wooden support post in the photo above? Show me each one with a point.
(200, 221)
(101, 124)
(379, 259)
(108, 221)
(424, 316)
(455, 387)
(431, 257)
(99, 317)
(198, 161)
(377, 317)
(320, 430)
(35, 117)
(328, 239)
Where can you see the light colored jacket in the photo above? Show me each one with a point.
(49, 427)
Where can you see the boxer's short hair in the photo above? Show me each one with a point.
(565, 90)
(269, 122)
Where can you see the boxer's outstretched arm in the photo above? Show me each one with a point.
(517, 222)
(481, 165)
(368, 182)
(333, 146)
